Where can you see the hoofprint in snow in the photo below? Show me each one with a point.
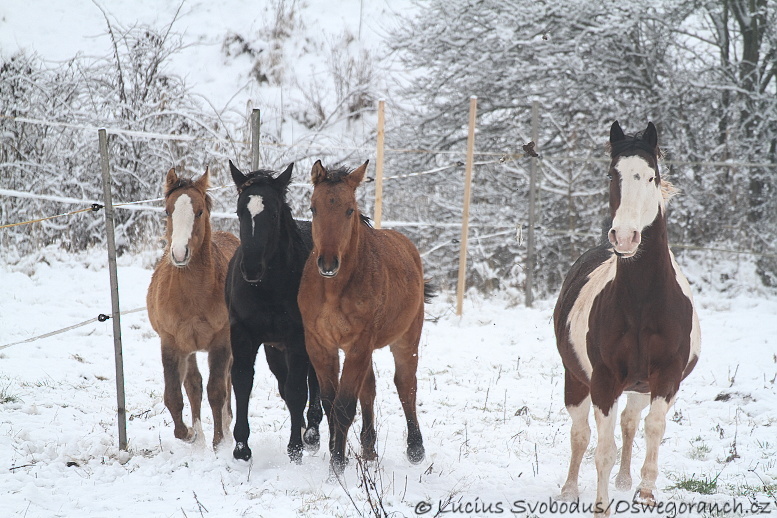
(490, 405)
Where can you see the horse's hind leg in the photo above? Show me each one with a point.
(635, 403)
(312, 437)
(276, 361)
(193, 384)
(243, 358)
(406, 363)
(367, 402)
(174, 368)
(218, 390)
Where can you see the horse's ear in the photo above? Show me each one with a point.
(285, 177)
(616, 133)
(203, 182)
(651, 136)
(318, 173)
(357, 175)
(171, 179)
(237, 176)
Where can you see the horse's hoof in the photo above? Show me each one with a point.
(295, 454)
(623, 482)
(416, 454)
(186, 434)
(312, 440)
(241, 451)
(569, 493)
(337, 466)
(644, 497)
(369, 455)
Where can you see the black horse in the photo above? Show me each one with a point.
(261, 294)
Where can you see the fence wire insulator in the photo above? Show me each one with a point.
(96, 207)
(102, 317)
(460, 163)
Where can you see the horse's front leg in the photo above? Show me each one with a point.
(356, 366)
(219, 359)
(312, 437)
(326, 363)
(296, 395)
(174, 368)
(243, 357)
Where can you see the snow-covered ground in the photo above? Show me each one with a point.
(490, 402)
(490, 383)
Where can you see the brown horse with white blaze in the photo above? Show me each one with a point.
(186, 306)
(625, 322)
(362, 289)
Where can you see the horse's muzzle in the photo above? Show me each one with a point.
(330, 269)
(180, 263)
(251, 277)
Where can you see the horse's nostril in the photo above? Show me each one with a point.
(320, 262)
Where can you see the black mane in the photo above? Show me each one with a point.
(183, 183)
(630, 144)
(337, 175)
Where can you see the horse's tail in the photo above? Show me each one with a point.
(430, 291)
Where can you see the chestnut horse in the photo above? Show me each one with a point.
(625, 322)
(261, 295)
(186, 306)
(361, 289)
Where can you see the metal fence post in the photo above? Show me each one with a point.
(530, 245)
(115, 315)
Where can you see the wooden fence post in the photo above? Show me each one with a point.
(115, 315)
(530, 246)
(379, 164)
(461, 285)
(255, 122)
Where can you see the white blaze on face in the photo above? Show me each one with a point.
(639, 204)
(255, 207)
(183, 225)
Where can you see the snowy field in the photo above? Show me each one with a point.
(490, 383)
(491, 410)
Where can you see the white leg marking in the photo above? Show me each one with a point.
(606, 452)
(655, 425)
(581, 310)
(183, 225)
(579, 439)
(255, 206)
(635, 403)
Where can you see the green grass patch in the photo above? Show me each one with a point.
(703, 485)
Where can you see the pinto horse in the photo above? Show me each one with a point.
(625, 322)
(186, 306)
(261, 293)
(361, 289)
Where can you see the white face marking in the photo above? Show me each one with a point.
(183, 225)
(640, 200)
(685, 286)
(581, 310)
(255, 206)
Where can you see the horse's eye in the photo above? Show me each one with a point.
(651, 179)
(313, 210)
(199, 214)
(349, 212)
